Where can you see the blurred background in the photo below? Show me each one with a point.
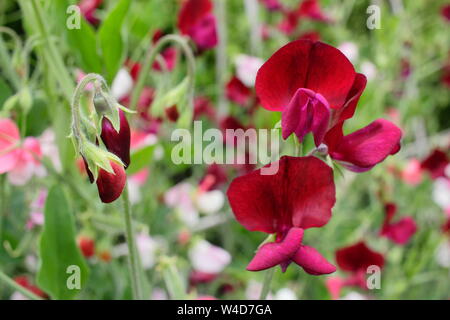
(186, 230)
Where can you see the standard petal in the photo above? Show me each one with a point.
(363, 149)
(110, 185)
(312, 261)
(301, 194)
(283, 74)
(330, 73)
(274, 253)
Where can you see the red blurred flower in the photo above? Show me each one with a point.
(237, 92)
(197, 21)
(204, 106)
(88, 8)
(401, 231)
(311, 9)
(87, 246)
(316, 88)
(354, 259)
(289, 23)
(445, 12)
(436, 163)
(214, 177)
(24, 282)
(299, 196)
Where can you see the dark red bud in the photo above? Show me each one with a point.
(110, 186)
(89, 173)
(117, 142)
(172, 113)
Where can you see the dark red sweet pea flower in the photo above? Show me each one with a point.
(214, 177)
(436, 163)
(311, 9)
(354, 259)
(289, 23)
(361, 150)
(299, 196)
(237, 92)
(197, 21)
(117, 142)
(445, 13)
(399, 232)
(204, 107)
(446, 226)
(308, 75)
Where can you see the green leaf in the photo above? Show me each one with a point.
(83, 43)
(58, 250)
(140, 159)
(111, 39)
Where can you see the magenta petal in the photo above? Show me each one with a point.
(321, 119)
(312, 261)
(400, 232)
(274, 253)
(294, 118)
(363, 149)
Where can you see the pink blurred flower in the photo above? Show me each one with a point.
(247, 68)
(208, 258)
(401, 231)
(20, 159)
(412, 173)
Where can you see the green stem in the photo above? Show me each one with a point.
(10, 282)
(133, 255)
(221, 56)
(5, 63)
(150, 59)
(267, 281)
(55, 60)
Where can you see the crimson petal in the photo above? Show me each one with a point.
(111, 185)
(358, 257)
(117, 142)
(300, 194)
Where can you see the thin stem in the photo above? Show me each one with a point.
(252, 12)
(54, 58)
(5, 63)
(133, 255)
(267, 281)
(10, 282)
(221, 56)
(150, 59)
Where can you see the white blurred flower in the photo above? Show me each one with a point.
(211, 201)
(159, 294)
(369, 70)
(253, 291)
(246, 68)
(353, 295)
(179, 197)
(285, 294)
(441, 193)
(18, 296)
(49, 148)
(208, 258)
(443, 254)
(147, 247)
(350, 50)
(122, 84)
(134, 191)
